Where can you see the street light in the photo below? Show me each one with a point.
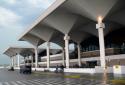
(100, 26)
(100, 19)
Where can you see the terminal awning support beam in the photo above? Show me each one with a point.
(18, 58)
(66, 38)
(100, 26)
(36, 56)
(12, 62)
(79, 55)
(48, 55)
(63, 57)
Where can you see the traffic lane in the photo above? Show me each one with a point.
(6, 75)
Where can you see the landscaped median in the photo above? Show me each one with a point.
(64, 75)
(112, 81)
(56, 74)
(118, 82)
(72, 76)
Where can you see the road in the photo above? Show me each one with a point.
(15, 78)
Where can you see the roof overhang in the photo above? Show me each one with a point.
(77, 18)
(24, 51)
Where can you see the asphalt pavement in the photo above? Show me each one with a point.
(41, 78)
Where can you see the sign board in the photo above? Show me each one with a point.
(117, 69)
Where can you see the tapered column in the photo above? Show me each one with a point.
(32, 60)
(100, 26)
(24, 60)
(18, 58)
(10, 62)
(13, 61)
(79, 55)
(63, 57)
(48, 54)
(36, 57)
(66, 38)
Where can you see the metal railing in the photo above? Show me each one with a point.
(108, 51)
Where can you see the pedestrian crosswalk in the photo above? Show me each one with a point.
(53, 81)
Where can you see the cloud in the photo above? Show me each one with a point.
(8, 18)
(31, 3)
(11, 1)
(40, 3)
(15, 16)
(28, 9)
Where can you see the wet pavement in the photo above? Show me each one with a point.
(42, 78)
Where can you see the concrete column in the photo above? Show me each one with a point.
(66, 38)
(32, 60)
(10, 61)
(13, 61)
(100, 26)
(79, 55)
(18, 57)
(48, 54)
(98, 63)
(36, 57)
(63, 57)
(24, 60)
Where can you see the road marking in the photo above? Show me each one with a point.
(1, 83)
(54, 81)
(27, 83)
(34, 82)
(19, 82)
(6, 83)
(14, 83)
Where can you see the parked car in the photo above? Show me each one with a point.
(11, 69)
(26, 68)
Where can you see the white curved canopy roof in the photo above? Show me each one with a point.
(25, 51)
(77, 18)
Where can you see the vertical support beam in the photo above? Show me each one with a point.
(36, 57)
(48, 54)
(13, 61)
(18, 57)
(63, 57)
(14, 57)
(10, 62)
(24, 60)
(100, 26)
(31, 60)
(66, 38)
(79, 55)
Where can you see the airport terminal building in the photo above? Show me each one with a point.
(95, 27)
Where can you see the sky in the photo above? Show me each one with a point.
(15, 17)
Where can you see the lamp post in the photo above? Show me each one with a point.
(100, 26)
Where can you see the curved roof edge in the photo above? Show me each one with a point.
(16, 47)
